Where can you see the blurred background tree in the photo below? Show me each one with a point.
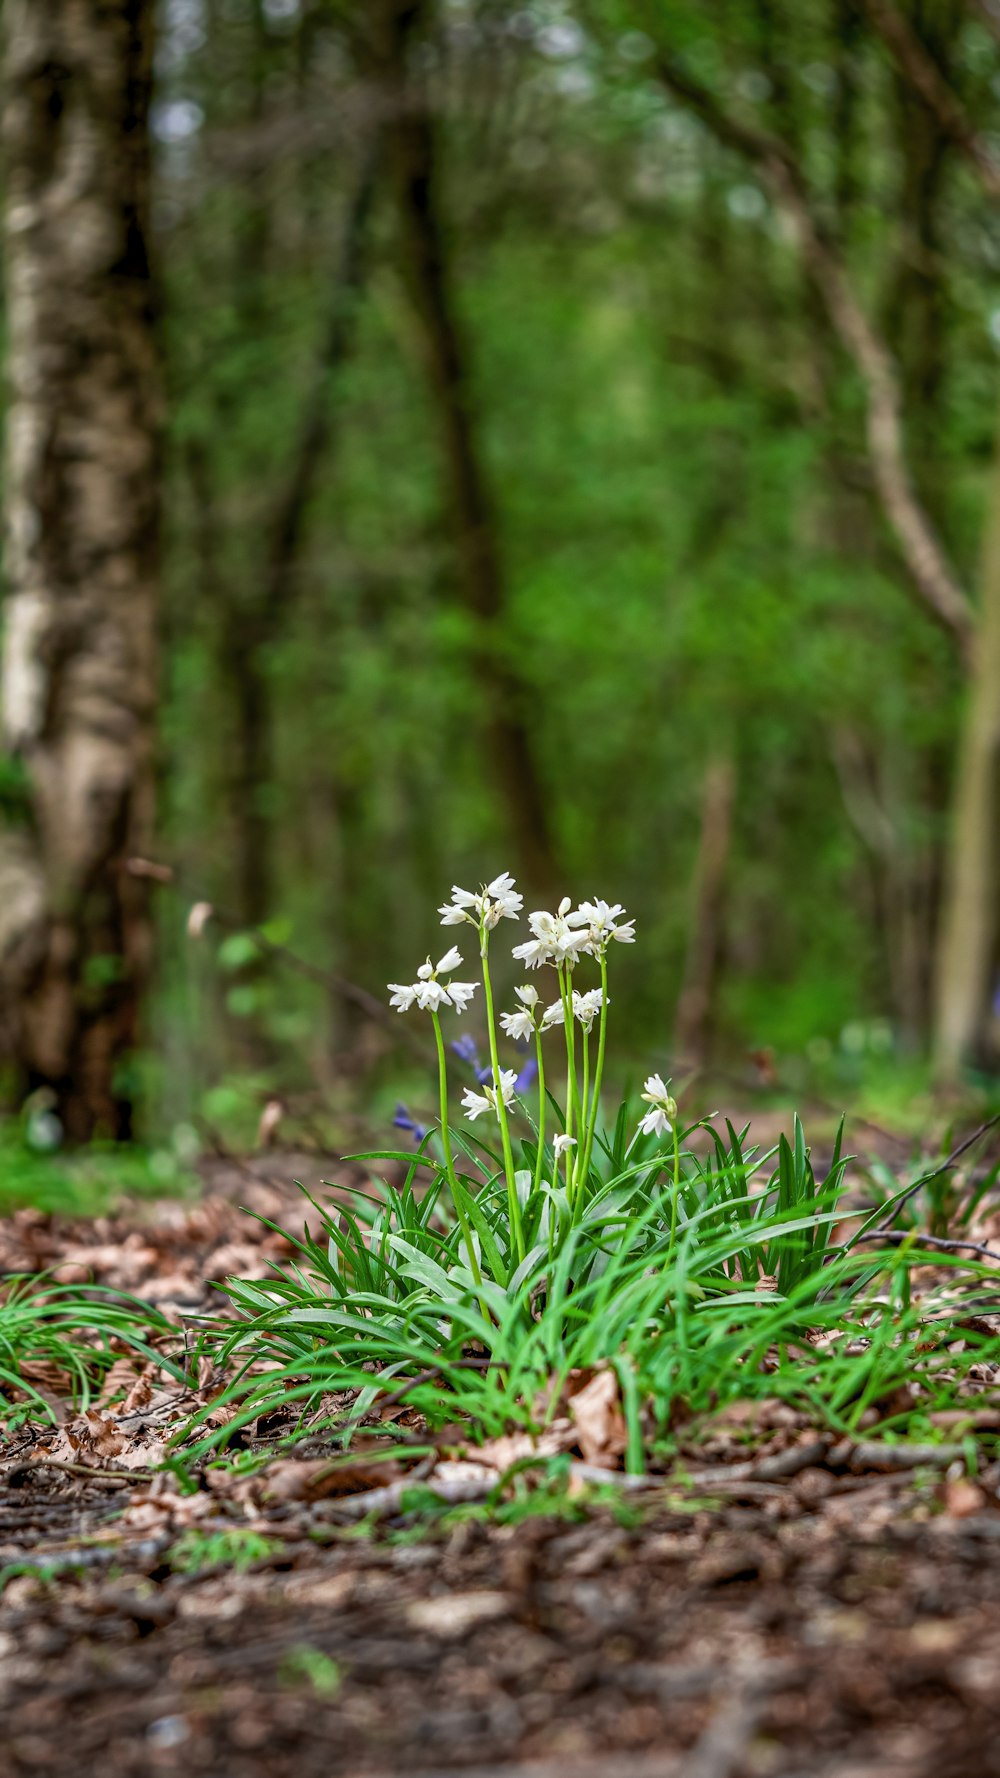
(580, 426)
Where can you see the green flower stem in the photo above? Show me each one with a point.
(595, 1103)
(541, 1110)
(675, 1194)
(449, 1162)
(566, 996)
(578, 1174)
(517, 1227)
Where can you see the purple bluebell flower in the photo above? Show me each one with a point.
(403, 1121)
(465, 1049)
(526, 1076)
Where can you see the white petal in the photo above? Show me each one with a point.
(451, 915)
(528, 995)
(460, 994)
(451, 960)
(474, 1104)
(431, 996)
(401, 996)
(501, 884)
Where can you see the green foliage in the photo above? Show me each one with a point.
(305, 1663)
(688, 1320)
(675, 449)
(90, 1181)
(235, 1547)
(79, 1331)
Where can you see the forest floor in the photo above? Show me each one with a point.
(794, 1608)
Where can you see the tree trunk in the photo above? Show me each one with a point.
(413, 164)
(82, 489)
(967, 941)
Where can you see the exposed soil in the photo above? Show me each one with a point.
(844, 1628)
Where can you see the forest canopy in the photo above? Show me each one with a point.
(567, 435)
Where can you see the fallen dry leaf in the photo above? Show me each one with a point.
(963, 1497)
(600, 1424)
(453, 1614)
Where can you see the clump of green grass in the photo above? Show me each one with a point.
(76, 1331)
(499, 1269)
(699, 1279)
(236, 1547)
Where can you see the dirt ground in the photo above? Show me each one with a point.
(828, 1629)
(802, 1614)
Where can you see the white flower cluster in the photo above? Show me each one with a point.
(496, 901)
(475, 1103)
(570, 933)
(524, 1021)
(659, 1119)
(430, 994)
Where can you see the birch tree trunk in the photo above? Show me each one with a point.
(81, 496)
(966, 950)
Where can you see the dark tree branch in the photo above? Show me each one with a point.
(920, 69)
(316, 426)
(930, 571)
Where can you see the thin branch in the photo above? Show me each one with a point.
(924, 75)
(931, 573)
(955, 1155)
(900, 1237)
(324, 978)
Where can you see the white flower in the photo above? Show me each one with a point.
(553, 1015)
(587, 1006)
(520, 1024)
(496, 901)
(473, 1104)
(430, 994)
(658, 1120)
(553, 939)
(561, 1143)
(601, 920)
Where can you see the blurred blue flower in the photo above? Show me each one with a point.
(403, 1121)
(526, 1076)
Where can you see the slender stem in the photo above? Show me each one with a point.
(541, 1110)
(595, 1103)
(514, 1207)
(449, 1161)
(578, 1175)
(572, 1098)
(677, 1187)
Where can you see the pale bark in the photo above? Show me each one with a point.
(967, 943)
(81, 500)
